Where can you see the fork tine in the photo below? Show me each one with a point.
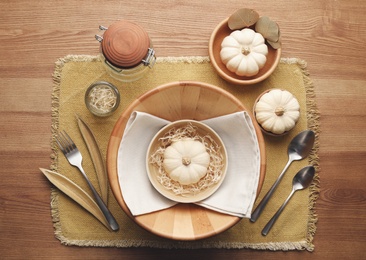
(65, 142)
(60, 143)
(71, 143)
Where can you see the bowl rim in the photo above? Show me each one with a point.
(226, 76)
(203, 194)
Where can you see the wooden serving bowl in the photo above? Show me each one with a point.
(153, 172)
(214, 48)
(175, 101)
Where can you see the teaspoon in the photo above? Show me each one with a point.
(301, 181)
(298, 149)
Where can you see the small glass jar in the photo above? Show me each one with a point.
(102, 98)
(126, 51)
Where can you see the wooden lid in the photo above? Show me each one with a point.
(125, 44)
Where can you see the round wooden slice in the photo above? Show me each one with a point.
(176, 101)
(125, 44)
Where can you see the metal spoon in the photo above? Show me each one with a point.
(301, 181)
(298, 149)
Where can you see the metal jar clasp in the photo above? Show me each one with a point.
(98, 37)
(150, 58)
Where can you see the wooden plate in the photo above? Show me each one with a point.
(176, 101)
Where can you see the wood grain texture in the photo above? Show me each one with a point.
(328, 34)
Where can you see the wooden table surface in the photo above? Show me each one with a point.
(329, 34)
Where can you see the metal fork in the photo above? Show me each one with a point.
(75, 158)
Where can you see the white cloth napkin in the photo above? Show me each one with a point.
(235, 196)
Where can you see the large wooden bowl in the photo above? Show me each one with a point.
(219, 33)
(176, 101)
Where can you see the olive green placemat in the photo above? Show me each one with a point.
(294, 230)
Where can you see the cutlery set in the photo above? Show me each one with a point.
(98, 205)
(298, 149)
(300, 181)
(75, 158)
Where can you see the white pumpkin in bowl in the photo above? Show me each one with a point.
(186, 161)
(277, 111)
(244, 52)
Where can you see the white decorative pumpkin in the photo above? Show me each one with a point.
(244, 52)
(277, 111)
(186, 161)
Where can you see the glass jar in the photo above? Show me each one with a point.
(102, 98)
(126, 51)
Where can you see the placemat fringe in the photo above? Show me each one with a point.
(273, 246)
(55, 98)
(313, 117)
(56, 215)
(184, 59)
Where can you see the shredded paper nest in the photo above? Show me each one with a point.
(214, 171)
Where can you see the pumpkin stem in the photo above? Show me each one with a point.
(279, 111)
(186, 161)
(245, 50)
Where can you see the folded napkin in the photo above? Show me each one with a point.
(235, 196)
